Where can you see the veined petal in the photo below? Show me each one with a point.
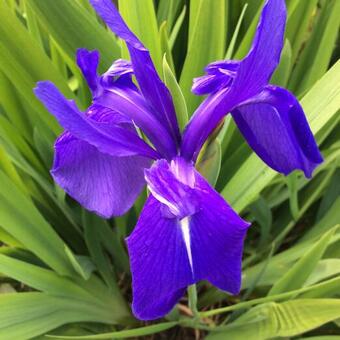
(159, 262)
(205, 119)
(177, 196)
(209, 83)
(131, 104)
(217, 235)
(88, 62)
(153, 89)
(168, 252)
(118, 75)
(119, 142)
(252, 75)
(220, 74)
(116, 90)
(275, 127)
(101, 183)
(256, 69)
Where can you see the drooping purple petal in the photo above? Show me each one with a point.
(118, 141)
(101, 183)
(275, 126)
(217, 236)
(88, 62)
(153, 89)
(252, 75)
(159, 262)
(170, 252)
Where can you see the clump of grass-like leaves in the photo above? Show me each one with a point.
(65, 272)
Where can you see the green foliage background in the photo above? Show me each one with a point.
(65, 272)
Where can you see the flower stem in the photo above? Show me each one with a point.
(192, 296)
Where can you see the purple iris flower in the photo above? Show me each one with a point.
(186, 231)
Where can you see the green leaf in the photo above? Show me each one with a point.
(281, 319)
(209, 161)
(92, 227)
(42, 279)
(177, 95)
(246, 42)
(281, 74)
(24, 62)
(141, 18)
(26, 315)
(177, 27)
(165, 47)
(81, 264)
(301, 270)
(263, 215)
(21, 219)
(130, 333)
(231, 47)
(317, 54)
(167, 10)
(207, 34)
(13, 107)
(325, 269)
(292, 184)
(297, 24)
(72, 27)
(329, 219)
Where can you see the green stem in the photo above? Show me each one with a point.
(192, 296)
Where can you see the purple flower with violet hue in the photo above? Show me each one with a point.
(186, 231)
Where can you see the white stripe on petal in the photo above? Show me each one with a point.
(186, 236)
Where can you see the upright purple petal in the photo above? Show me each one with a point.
(153, 89)
(119, 74)
(168, 252)
(275, 126)
(118, 141)
(257, 67)
(88, 62)
(252, 75)
(220, 74)
(205, 119)
(131, 104)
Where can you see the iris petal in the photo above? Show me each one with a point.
(220, 74)
(275, 126)
(131, 104)
(170, 252)
(217, 236)
(256, 69)
(101, 183)
(159, 263)
(252, 75)
(153, 89)
(88, 62)
(179, 197)
(118, 141)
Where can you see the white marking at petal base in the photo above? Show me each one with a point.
(186, 236)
